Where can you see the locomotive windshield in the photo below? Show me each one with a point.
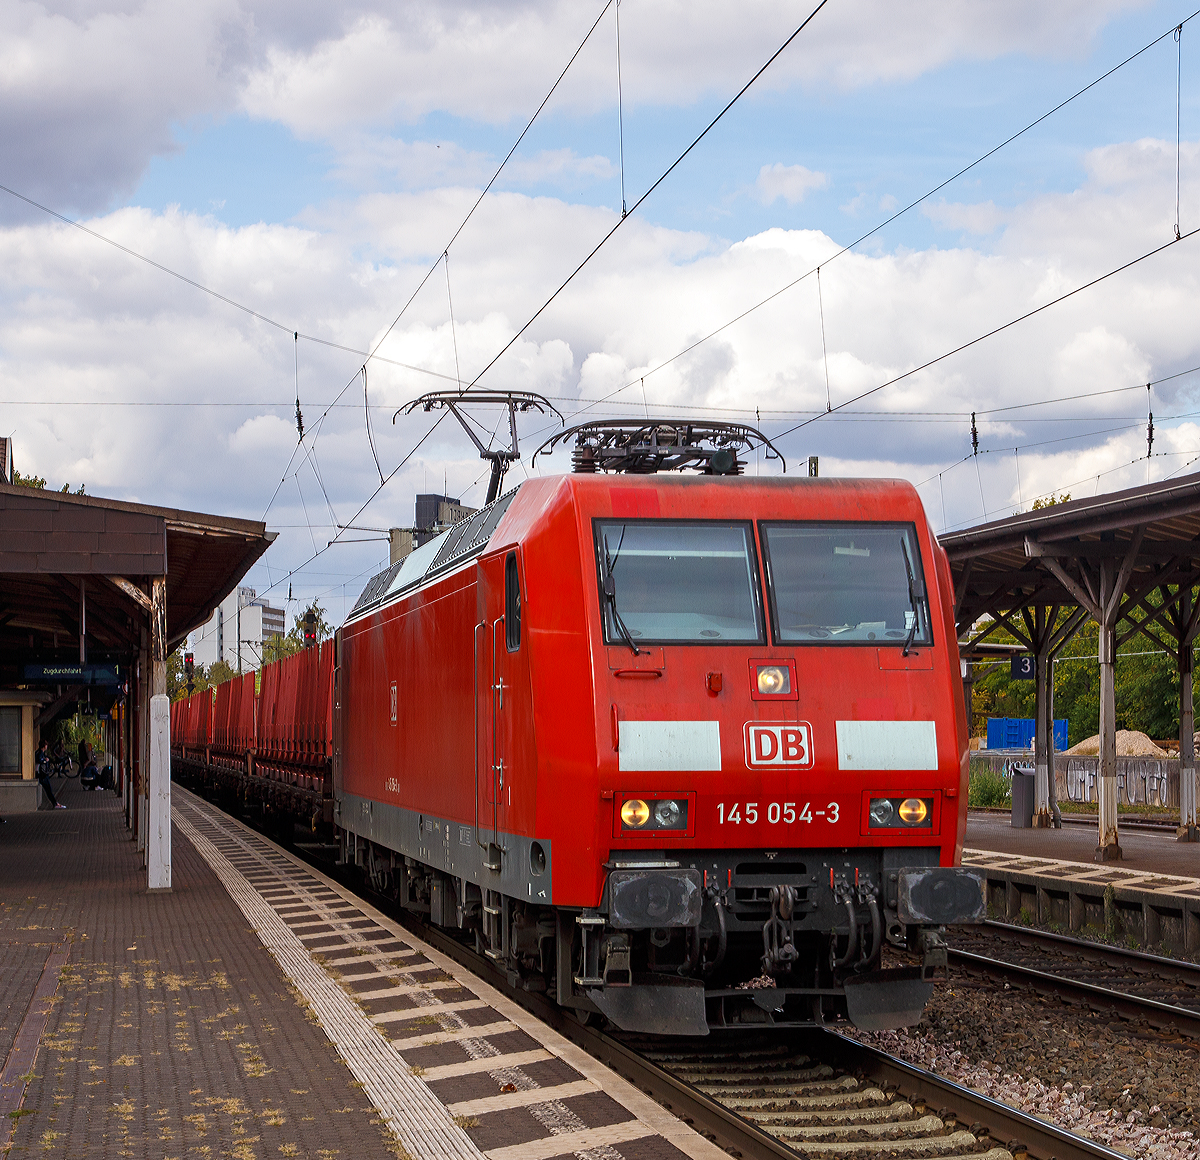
(684, 582)
(846, 583)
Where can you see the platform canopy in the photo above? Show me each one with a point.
(72, 559)
(94, 594)
(1129, 561)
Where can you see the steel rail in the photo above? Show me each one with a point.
(1020, 1132)
(1162, 1015)
(1006, 1125)
(1121, 958)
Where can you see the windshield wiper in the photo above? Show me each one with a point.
(610, 594)
(912, 597)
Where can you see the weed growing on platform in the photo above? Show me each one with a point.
(988, 788)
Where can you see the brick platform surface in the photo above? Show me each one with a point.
(261, 1010)
(1151, 852)
(173, 1032)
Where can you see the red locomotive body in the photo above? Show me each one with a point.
(653, 738)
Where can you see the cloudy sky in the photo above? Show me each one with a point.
(310, 162)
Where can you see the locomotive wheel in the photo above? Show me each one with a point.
(585, 1018)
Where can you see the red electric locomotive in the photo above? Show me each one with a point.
(682, 750)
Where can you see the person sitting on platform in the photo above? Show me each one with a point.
(43, 773)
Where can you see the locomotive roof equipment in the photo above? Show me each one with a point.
(644, 447)
(499, 457)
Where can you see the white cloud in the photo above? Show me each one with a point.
(790, 182)
(981, 218)
(91, 91)
(84, 323)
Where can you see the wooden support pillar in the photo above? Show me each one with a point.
(143, 743)
(1187, 831)
(158, 787)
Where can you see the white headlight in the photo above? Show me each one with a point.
(668, 815)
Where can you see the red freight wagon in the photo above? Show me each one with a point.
(653, 738)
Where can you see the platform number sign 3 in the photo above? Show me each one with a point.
(394, 702)
(1023, 667)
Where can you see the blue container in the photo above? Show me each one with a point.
(1017, 733)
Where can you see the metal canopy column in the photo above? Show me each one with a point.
(1187, 831)
(1178, 619)
(1109, 846)
(1102, 600)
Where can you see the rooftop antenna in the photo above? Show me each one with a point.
(501, 457)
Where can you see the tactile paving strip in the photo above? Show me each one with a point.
(454, 1068)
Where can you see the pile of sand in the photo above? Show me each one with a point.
(1130, 743)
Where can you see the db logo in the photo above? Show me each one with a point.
(789, 746)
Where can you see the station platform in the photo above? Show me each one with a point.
(259, 1009)
(1150, 897)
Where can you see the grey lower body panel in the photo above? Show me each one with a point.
(455, 848)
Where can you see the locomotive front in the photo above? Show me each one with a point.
(781, 754)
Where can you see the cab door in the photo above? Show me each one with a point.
(497, 639)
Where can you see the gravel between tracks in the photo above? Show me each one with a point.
(1122, 1084)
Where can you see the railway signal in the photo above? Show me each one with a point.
(310, 628)
(189, 670)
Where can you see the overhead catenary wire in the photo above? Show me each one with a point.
(999, 329)
(691, 346)
(620, 108)
(658, 181)
(444, 255)
(824, 348)
(450, 306)
(366, 503)
(367, 421)
(1178, 115)
(495, 176)
(757, 410)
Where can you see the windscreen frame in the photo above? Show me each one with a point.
(612, 636)
(919, 640)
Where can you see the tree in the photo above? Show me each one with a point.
(36, 481)
(1051, 500)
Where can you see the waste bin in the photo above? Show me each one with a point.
(1022, 798)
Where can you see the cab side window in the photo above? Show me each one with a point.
(512, 603)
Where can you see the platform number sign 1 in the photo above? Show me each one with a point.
(1023, 667)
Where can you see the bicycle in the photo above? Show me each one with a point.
(62, 766)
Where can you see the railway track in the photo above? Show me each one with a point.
(1133, 984)
(816, 1094)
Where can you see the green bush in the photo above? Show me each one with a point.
(988, 788)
